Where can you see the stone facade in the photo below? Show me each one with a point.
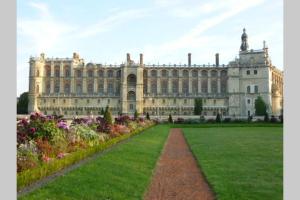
(69, 86)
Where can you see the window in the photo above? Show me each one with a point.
(78, 88)
(164, 86)
(256, 89)
(175, 86)
(56, 88)
(90, 73)
(153, 73)
(164, 73)
(87, 101)
(248, 89)
(56, 71)
(248, 101)
(44, 100)
(110, 73)
(131, 106)
(185, 73)
(248, 72)
(153, 87)
(185, 86)
(185, 101)
(110, 88)
(108, 101)
(64, 101)
(164, 101)
(100, 73)
(153, 101)
(79, 74)
(175, 73)
(214, 113)
(255, 71)
(66, 112)
(90, 88)
(174, 101)
(195, 73)
(98, 100)
(214, 85)
(215, 101)
(100, 87)
(76, 100)
(53, 100)
(67, 88)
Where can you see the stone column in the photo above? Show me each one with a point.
(199, 85)
(180, 85)
(72, 79)
(170, 86)
(158, 85)
(209, 85)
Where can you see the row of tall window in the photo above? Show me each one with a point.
(164, 84)
(79, 72)
(112, 88)
(185, 73)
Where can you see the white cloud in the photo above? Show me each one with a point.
(194, 37)
(112, 21)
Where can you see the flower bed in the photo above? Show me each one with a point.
(46, 144)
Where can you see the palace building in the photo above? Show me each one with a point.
(69, 86)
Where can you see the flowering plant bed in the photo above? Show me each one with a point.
(47, 144)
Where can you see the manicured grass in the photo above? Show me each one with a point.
(122, 173)
(240, 162)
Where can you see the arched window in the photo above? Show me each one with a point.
(110, 73)
(67, 88)
(153, 73)
(195, 73)
(100, 73)
(204, 73)
(131, 80)
(214, 73)
(164, 73)
(90, 73)
(175, 73)
(131, 96)
(185, 73)
(37, 88)
(248, 89)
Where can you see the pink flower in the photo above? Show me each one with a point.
(32, 130)
(46, 158)
(60, 155)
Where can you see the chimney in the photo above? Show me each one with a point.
(217, 59)
(141, 59)
(128, 58)
(189, 59)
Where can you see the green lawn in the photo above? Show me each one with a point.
(240, 162)
(122, 173)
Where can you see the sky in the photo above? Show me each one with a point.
(165, 31)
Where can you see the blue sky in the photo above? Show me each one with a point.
(165, 31)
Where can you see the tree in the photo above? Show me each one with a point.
(198, 106)
(136, 115)
(260, 106)
(22, 105)
(147, 116)
(107, 116)
(102, 111)
(170, 119)
(218, 118)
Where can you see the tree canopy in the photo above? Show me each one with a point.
(22, 105)
(260, 106)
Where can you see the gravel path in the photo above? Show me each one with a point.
(177, 176)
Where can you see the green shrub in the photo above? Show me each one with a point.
(170, 120)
